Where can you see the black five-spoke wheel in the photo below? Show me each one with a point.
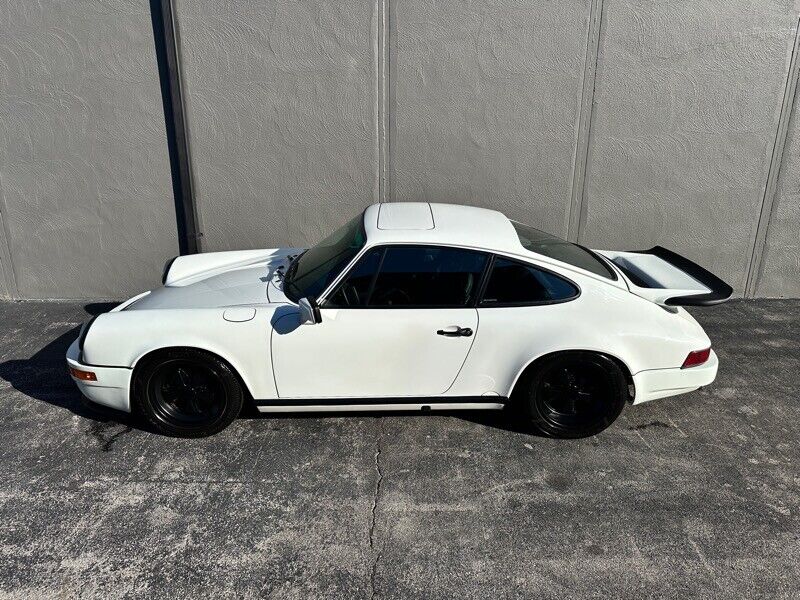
(188, 393)
(573, 394)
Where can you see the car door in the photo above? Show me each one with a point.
(400, 324)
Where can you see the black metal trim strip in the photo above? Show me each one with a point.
(371, 401)
(165, 36)
(720, 291)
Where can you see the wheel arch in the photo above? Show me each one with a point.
(531, 365)
(235, 369)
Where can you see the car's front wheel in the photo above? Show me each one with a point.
(572, 394)
(187, 393)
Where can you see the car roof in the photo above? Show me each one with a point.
(432, 223)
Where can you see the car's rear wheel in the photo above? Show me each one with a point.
(187, 393)
(572, 394)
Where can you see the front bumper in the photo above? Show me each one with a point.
(660, 383)
(113, 384)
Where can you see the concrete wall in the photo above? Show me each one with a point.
(687, 103)
(281, 100)
(618, 123)
(485, 104)
(85, 189)
(779, 273)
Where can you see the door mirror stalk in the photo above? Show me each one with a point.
(309, 311)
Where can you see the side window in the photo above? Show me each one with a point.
(517, 283)
(354, 290)
(428, 276)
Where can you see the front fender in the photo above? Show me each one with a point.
(121, 339)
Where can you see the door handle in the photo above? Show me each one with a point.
(455, 331)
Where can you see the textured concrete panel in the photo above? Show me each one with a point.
(780, 264)
(687, 103)
(84, 170)
(281, 106)
(484, 104)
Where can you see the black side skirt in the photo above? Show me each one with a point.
(370, 401)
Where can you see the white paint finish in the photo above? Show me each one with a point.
(369, 353)
(661, 383)
(218, 279)
(466, 227)
(415, 215)
(189, 269)
(129, 301)
(123, 338)
(665, 279)
(112, 387)
(434, 406)
(239, 315)
(455, 225)
(390, 353)
(603, 318)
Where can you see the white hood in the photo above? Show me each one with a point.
(219, 279)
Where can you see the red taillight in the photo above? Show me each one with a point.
(82, 375)
(698, 357)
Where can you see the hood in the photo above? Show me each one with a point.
(230, 279)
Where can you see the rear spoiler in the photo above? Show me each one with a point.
(668, 278)
(719, 290)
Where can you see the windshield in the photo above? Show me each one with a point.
(554, 247)
(315, 269)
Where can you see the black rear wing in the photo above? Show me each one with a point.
(719, 291)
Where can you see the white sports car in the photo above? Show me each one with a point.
(410, 306)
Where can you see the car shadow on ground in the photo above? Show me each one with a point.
(44, 376)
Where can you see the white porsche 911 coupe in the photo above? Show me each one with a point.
(410, 306)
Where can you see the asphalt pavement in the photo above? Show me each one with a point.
(695, 496)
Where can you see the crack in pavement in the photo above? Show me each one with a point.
(378, 482)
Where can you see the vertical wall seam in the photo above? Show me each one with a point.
(9, 272)
(383, 100)
(768, 203)
(576, 211)
(167, 40)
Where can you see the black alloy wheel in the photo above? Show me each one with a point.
(187, 393)
(573, 394)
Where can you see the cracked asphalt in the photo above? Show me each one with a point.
(694, 497)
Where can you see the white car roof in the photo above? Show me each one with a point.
(451, 224)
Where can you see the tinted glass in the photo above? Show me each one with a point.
(515, 283)
(428, 276)
(355, 288)
(317, 267)
(554, 247)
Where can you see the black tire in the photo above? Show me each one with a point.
(189, 393)
(572, 394)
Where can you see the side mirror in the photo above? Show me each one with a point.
(309, 311)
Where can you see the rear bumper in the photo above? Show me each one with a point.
(660, 383)
(112, 387)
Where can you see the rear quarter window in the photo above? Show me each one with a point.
(513, 283)
(554, 247)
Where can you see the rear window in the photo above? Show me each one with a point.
(554, 247)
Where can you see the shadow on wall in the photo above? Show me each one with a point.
(44, 376)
